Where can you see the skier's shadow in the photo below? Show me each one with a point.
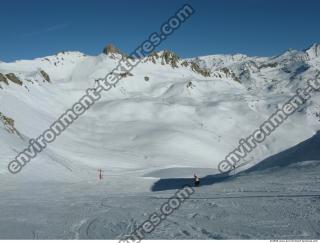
(307, 150)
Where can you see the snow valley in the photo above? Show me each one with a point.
(164, 106)
(167, 119)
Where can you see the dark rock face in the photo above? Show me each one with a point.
(8, 124)
(269, 65)
(170, 58)
(45, 76)
(3, 79)
(109, 49)
(230, 74)
(166, 57)
(112, 50)
(196, 68)
(185, 64)
(153, 57)
(12, 77)
(126, 74)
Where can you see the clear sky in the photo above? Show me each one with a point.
(36, 28)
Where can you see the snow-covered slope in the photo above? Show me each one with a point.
(166, 113)
(165, 120)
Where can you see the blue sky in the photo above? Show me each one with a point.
(35, 28)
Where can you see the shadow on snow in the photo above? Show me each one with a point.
(307, 150)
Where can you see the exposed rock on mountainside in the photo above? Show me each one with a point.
(12, 77)
(290, 65)
(45, 76)
(8, 124)
(165, 57)
(126, 74)
(203, 71)
(229, 73)
(109, 49)
(36, 76)
(269, 65)
(153, 57)
(3, 79)
(168, 57)
(112, 51)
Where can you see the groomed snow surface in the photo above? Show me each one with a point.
(149, 136)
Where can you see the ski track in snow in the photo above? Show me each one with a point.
(240, 208)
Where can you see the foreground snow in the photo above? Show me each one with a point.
(276, 204)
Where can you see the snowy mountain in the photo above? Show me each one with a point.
(167, 113)
(165, 120)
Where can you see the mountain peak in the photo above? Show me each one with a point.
(110, 48)
(313, 51)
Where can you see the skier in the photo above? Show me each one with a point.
(234, 170)
(196, 180)
(100, 174)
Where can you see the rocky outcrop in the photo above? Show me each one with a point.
(8, 78)
(196, 68)
(172, 59)
(8, 124)
(13, 78)
(164, 57)
(269, 65)
(45, 76)
(184, 64)
(153, 57)
(3, 79)
(168, 57)
(229, 74)
(111, 49)
(126, 74)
